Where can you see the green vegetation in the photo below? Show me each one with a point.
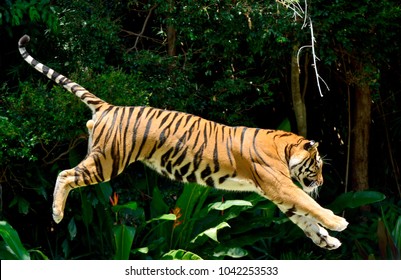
(228, 61)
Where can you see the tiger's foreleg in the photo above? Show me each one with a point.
(84, 174)
(307, 214)
(318, 234)
(292, 200)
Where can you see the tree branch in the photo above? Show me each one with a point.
(143, 29)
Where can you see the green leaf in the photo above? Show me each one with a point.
(72, 228)
(130, 205)
(397, 233)
(285, 125)
(124, 236)
(66, 248)
(11, 238)
(87, 210)
(180, 255)
(220, 206)
(191, 203)
(22, 203)
(5, 252)
(33, 14)
(104, 192)
(355, 200)
(232, 252)
(157, 205)
(211, 233)
(39, 253)
(166, 217)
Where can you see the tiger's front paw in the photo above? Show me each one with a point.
(339, 223)
(333, 222)
(322, 238)
(330, 243)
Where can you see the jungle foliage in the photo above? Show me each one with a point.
(228, 61)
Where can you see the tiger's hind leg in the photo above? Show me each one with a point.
(84, 174)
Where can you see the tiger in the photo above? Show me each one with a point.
(188, 148)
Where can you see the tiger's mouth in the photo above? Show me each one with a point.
(311, 187)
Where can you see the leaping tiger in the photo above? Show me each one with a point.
(188, 148)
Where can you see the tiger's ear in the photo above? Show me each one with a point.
(311, 145)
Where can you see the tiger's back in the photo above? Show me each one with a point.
(189, 148)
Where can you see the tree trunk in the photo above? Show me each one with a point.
(360, 130)
(171, 33)
(298, 101)
(171, 37)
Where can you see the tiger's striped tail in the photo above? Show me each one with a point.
(91, 100)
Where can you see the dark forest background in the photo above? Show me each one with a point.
(233, 62)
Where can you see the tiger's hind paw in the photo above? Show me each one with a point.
(58, 216)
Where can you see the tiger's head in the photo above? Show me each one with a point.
(306, 167)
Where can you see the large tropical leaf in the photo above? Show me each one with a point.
(211, 233)
(124, 236)
(355, 200)
(180, 255)
(13, 243)
(221, 206)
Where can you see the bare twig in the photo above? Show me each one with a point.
(143, 28)
(303, 13)
(314, 57)
(130, 33)
(71, 146)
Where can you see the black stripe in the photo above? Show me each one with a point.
(98, 136)
(187, 119)
(150, 110)
(177, 125)
(55, 75)
(223, 178)
(177, 176)
(210, 182)
(45, 69)
(229, 146)
(242, 139)
(196, 139)
(164, 119)
(216, 155)
(185, 168)
(191, 178)
(291, 212)
(25, 54)
(198, 156)
(145, 134)
(206, 172)
(169, 167)
(135, 132)
(34, 62)
(98, 167)
(163, 136)
(165, 157)
(180, 144)
(154, 149)
(159, 112)
(181, 158)
(125, 160)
